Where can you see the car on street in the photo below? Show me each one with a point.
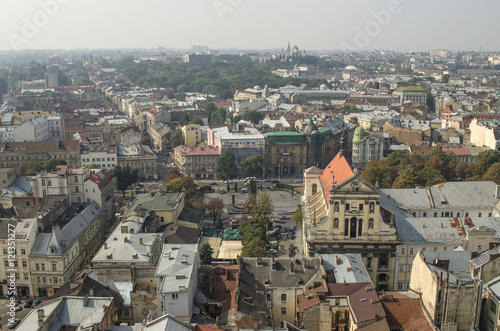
(293, 237)
(284, 230)
(213, 183)
(284, 217)
(273, 251)
(293, 227)
(228, 181)
(14, 325)
(275, 181)
(276, 226)
(17, 308)
(279, 221)
(275, 233)
(28, 304)
(298, 181)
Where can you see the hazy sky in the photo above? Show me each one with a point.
(315, 24)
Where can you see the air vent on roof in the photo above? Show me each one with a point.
(363, 299)
(180, 276)
(184, 261)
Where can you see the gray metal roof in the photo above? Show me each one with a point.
(72, 312)
(346, 267)
(458, 268)
(484, 257)
(60, 240)
(176, 266)
(478, 195)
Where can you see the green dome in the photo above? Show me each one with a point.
(310, 128)
(359, 135)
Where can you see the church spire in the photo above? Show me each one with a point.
(342, 142)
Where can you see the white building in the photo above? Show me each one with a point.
(366, 148)
(36, 129)
(105, 157)
(176, 279)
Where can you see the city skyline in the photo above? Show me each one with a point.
(400, 25)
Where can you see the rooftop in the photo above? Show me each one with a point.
(176, 267)
(198, 151)
(156, 201)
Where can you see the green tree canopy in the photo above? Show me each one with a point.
(176, 139)
(226, 166)
(51, 164)
(197, 120)
(253, 165)
(206, 252)
(125, 176)
(253, 116)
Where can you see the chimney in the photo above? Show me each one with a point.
(336, 259)
(125, 239)
(91, 292)
(140, 241)
(105, 245)
(259, 261)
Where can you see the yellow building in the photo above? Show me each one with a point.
(166, 206)
(191, 134)
(342, 213)
(57, 255)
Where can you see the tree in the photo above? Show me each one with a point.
(395, 158)
(255, 248)
(215, 206)
(297, 216)
(406, 178)
(235, 187)
(93, 166)
(125, 176)
(226, 166)
(378, 173)
(145, 140)
(173, 173)
(183, 184)
(51, 164)
(253, 165)
(430, 176)
(197, 120)
(206, 252)
(210, 107)
(253, 116)
(33, 168)
(218, 222)
(174, 185)
(200, 204)
(431, 103)
(264, 204)
(445, 79)
(493, 173)
(176, 138)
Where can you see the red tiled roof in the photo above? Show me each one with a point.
(338, 167)
(220, 283)
(363, 300)
(405, 312)
(421, 150)
(205, 328)
(459, 151)
(102, 182)
(381, 325)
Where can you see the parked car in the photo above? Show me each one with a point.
(292, 236)
(284, 217)
(275, 233)
(279, 221)
(14, 325)
(273, 251)
(276, 226)
(17, 308)
(298, 181)
(293, 228)
(228, 181)
(28, 304)
(213, 183)
(284, 230)
(275, 181)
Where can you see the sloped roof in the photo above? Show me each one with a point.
(338, 167)
(313, 170)
(405, 311)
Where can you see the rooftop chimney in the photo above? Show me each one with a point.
(140, 241)
(105, 245)
(41, 314)
(91, 292)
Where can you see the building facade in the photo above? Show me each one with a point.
(197, 162)
(191, 134)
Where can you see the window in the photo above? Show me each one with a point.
(6, 263)
(360, 206)
(479, 214)
(425, 214)
(435, 249)
(175, 296)
(466, 214)
(49, 182)
(347, 206)
(25, 264)
(283, 298)
(411, 250)
(5, 251)
(44, 280)
(76, 177)
(400, 285)
(435, 214)
(77, 189)
(489, 214)
(54, 267)
(283, 310)
(458, 214)
(403, 251)
(445, 249)
(43, 267)
(409, 267)
(38, 280)
(314, 189)
(37, 266)
(479, 248)
(55, 280)
(401, 268)
(43, 182)
(26, 277)
(23, 251)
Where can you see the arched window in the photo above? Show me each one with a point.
(372, 207)
(370, 223)
(314, 189)
(336, 206)
(336, 223)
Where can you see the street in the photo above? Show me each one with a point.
(4, 310)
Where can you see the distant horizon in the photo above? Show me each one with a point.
(321, 25)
